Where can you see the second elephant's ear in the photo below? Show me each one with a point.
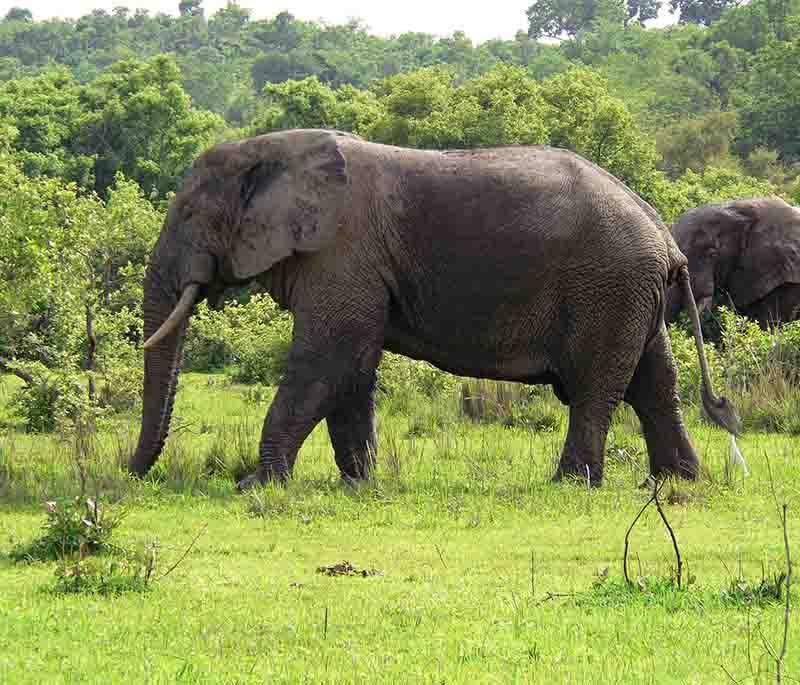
(770, 251)
(291, 201)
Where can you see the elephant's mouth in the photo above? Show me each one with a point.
(214, 294)
(704, 303)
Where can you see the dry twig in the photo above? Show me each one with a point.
(653, 498)
(184, 555)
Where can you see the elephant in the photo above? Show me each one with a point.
(746, 250)
(519, 263)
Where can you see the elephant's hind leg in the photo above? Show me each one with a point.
(351, 427)
(653, 395)
(582, 456)
(599, 369)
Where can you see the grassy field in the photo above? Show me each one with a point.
(486, 572)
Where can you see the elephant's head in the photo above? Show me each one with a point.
(744, 249)
(243, 207)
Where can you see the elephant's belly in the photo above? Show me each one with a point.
(469, 357)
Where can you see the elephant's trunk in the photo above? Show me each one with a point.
(161, 368)
(720, 409)
(673, 306)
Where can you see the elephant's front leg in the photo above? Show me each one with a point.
(302, 400)
(327, 360)
(351, 426)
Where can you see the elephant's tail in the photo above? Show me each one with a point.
(720, 409)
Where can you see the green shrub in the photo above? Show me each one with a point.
(52, 398)
(75, 526)
(746, 349)
(511, 404)
(254, 337)
(398, 374)
(133, 572)
(684, 353)
(207, 346)
(758, 369)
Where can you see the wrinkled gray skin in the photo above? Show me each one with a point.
(523, 263)
(747, 252)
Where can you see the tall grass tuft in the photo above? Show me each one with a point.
(511, 404)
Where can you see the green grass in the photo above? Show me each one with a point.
(490, 574)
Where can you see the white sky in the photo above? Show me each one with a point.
(383, 17)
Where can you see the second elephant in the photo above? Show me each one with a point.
(747, 252)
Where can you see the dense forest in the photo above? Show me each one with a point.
(101, 116)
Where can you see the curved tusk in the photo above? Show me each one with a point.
(178, 314)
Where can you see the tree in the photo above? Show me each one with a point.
(771, 107)
(312, 104)
(190, 8)
(703, 12)
(556, 18)
(19, 14)
(227, 29)
(714, 185)
(583, 116)
(697, 143)
(45, 111)
(71, 268)
(140, 121)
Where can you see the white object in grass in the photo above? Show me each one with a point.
(736, 456)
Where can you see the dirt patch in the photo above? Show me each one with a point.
(345, 568)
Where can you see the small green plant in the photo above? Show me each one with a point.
(684, 353)
(257, 394)
(646, 590)
(744, 592)
(50, 399)
(233, 452)
(133, 572)
(77, 526)
(120, 387)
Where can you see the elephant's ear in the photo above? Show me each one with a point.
(770, 251)
(291, 202)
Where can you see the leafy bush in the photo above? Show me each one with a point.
(120, 388)
(50, 399)
(132, 573)
(758, 369)
(511, 404)
(398, 374)
(684, 353)
(714, 184)
(254, 336)
(74, 526)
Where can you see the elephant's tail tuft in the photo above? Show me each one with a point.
(719, 409)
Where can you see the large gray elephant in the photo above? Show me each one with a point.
(526, 264)
(748, 253)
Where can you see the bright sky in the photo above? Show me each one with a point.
(383, 17)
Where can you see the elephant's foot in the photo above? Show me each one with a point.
(583, 473)
(259, 478)
(685, 467)
(354, 479)
(679, 460)
(354, 470)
